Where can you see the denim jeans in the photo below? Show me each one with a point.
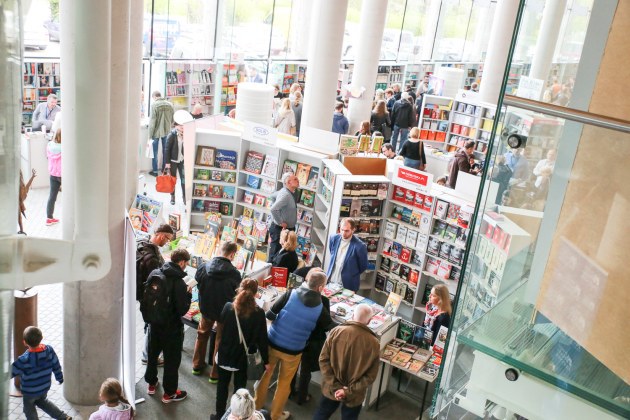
(327, 407)
(175, 168)
(412, 163)
(154, 162)
(55, 184)
(31, 402)
(404, 133)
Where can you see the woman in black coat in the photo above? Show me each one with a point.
(287, 257)
(231, 357)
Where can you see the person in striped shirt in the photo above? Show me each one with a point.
(34, 368)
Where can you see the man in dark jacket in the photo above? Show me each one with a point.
(403, 118)
(149, 258)
(340, 123)
(349, 364)
(295, 315)
(217, 282)
(174, 150)
(169, 337)
(460, 162)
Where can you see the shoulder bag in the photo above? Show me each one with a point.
(255, 366)
(165, 183)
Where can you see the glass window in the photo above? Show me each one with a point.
(420, 22)
(351, 31)
(450, 36)
(393, 36)
(478, 33)
(246, 29)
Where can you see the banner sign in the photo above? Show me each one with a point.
(260, 133)
(413, 179)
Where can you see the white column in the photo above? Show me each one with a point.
(496, 59)
(547, 39)
(373, 13)
(93, 310)
(324, 55)
(300, 27)
(133, 111)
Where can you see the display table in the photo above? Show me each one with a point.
(33, 156)
(437, 164)
(387, 365)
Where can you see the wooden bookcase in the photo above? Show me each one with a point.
(329, 172)
(39, 79)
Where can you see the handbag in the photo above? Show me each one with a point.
(165, 183)
(255, 366)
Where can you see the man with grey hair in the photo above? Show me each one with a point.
(295, 315)
(283, 212)
(349, 364)
(45, 113)
(403, 118)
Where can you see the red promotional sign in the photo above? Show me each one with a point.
(413, 179)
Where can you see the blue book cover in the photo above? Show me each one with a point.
(253, 182)
(225, 159)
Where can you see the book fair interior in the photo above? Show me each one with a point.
(313, 209)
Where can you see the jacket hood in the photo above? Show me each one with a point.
(171, 269)
(120, 407)
(217, 266)
(404, 103)
(309, 297)
(337, 116)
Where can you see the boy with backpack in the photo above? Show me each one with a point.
(148, 258)
(165, 300)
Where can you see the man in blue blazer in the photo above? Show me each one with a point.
(348, 256)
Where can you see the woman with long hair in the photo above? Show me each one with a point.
(412, 151)
(380, 121)
(364, 129)
(231, 357)
(53, 151)
(287, 257)
(439, 310)
(284, 120)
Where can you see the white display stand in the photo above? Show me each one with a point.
(33, 156)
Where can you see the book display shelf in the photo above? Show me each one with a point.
(292, 73)
(40, 79)
(187, 84)
(470, 120)
(177, 84)
(229, 82)
(413, 73)
(388, 75)
(202, 86)
(214, 177)
(362, 197)
(330, 170)
(498, 263)
(434, 118)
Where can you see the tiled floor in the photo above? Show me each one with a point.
(201, 394)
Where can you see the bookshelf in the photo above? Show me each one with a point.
(202, 86)
(213, 187)
(413, 73)
(434, 118)
(178, 84)
(291, 73)
(186, 84)
(330, 170)
(470, 120)
(498, 263)
(363, 198)
(388, 75)
(39, 79)
(229, 82)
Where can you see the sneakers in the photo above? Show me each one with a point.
(50, 222)
(153, 173)
(196, 372)
(285, 415)
(177, 396)
(151, 388)
(213, 380)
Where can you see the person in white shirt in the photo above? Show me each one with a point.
(544, 169)
(348, 256)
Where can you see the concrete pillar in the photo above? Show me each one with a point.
(133, 111)
(547, 39)
(324, 55)
(300, 27)
(496, 58)
(373, 13)
(92, 308)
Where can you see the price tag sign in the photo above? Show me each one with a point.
(260, 133)
(413, 179)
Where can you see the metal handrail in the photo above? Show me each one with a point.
(568, 113)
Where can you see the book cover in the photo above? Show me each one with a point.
(406, 330)
(412, 238)
(451, 233)
(410, 196)
(174, 220)
(392, 304)
(245, 227)
(202, 174)
(253, 182)
(428, 203)
(396, 249)
(344, 208)
(439, 228)
(355, 208)
(303, 170)
(225, 159)
(394, 267)
(417, 259)
(390, 230)
(441, 209)
(426, 294)
(404, 271)
(413, 277)
(216, 191)
(311, 182)
(270, 167)
(372, 245)
(444, 270)
(254, 162)
(415, 366)
(399, 194)
(390, 285)
(268, 186)
(464, 216)
(425, 224)
(279, 276)
(453, 212)
(445, 250)
(348, 145)
(416, 218)
(433, 247)
(409, 295)
(307, 198)
(397, 212)
(241, 259)
(419, 200)
(228, 234)
(421, 355)
(229, 177)
(216, 175)
(379, 284)
(197, 206)
(307, 216)
(259, 230)
(385, 264)
(211, 207)
(248, 197)
(200, 190)
(401, 235)
(294, 281)
(387, 247)
(405, 255)
(259, 200)
(432, 265)
(377, 144)
(289, 166)
(406, 215)
(229, 192)
(440, 340)
(364, 226)
(389, 351)
(455, 274)
(456, 255)
(364, 143)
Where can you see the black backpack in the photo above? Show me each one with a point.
(156, 304)
(144, 254)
